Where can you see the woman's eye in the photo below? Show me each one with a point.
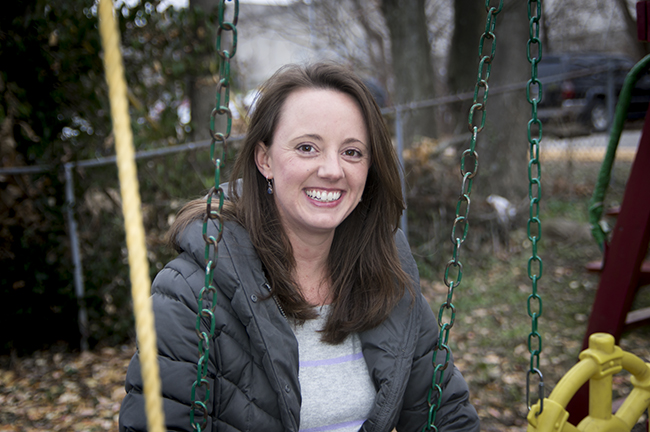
(306, 148)
(352, 153)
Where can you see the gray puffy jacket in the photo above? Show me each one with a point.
(253, 362)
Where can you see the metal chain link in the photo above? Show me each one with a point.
(454, 266)
(534, 227)
(208, 293)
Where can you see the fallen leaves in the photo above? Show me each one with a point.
(54, 391)
(63, 391)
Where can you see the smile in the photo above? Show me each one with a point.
(323, 196)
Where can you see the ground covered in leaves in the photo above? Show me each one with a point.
(59, 391)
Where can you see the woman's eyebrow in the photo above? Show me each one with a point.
(314, 137)
(317, 137)
(354, 140)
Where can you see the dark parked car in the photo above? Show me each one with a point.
(576, 85)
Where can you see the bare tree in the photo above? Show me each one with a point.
(463, 56)
(200, 83)
(353, 31)
(376, 40)
(589, 25)
(642, 48)
(503, 145)
(412, 63)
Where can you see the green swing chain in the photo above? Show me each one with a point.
(206, 311)
(434, 397)
(534, 228)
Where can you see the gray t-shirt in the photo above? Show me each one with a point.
(337, 392)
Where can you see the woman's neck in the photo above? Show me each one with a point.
(311, 254)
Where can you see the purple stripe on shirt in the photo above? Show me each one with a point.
(334, 426)
(332, 361)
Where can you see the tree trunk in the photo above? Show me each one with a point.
(201, 88)
(545, 23)
(641, 48)
(469, 23)
(375, 44)
(503, 145)
(412, 63)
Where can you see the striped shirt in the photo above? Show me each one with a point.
(337, 392)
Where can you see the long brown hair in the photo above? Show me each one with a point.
(364, 268)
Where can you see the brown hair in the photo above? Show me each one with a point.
(365, 273)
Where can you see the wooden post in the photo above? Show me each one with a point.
(622, 264)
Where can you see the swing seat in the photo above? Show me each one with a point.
(597, 365)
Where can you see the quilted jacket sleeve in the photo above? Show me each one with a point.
(175, 307)
(456, 413)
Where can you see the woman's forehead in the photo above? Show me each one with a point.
(322, 112)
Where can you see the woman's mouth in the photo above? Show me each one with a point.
(323, 196)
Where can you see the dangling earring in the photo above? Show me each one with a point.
(269, 189)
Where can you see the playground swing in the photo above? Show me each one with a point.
(602, 359)
(598, 363)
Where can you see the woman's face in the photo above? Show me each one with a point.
(318, 160)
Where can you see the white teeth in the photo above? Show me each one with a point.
(324, 196)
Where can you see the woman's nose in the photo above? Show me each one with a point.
(330, 167)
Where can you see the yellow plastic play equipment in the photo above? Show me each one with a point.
(597, 364)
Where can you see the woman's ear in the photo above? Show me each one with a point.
(263, 160)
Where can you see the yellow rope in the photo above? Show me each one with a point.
(135, 240)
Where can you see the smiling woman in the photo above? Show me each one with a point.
(318, 163)
(320, 322)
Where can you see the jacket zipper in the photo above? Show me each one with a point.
(277, 302)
